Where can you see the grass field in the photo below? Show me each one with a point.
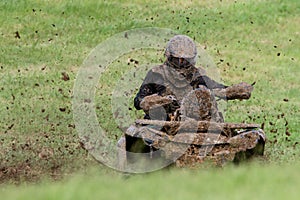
(247, 182)
(44, 43)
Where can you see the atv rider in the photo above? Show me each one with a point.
(175, 79)
(183, 85)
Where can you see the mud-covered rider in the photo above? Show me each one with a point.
(175, 78)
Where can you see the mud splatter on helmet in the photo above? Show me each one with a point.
(181, 46)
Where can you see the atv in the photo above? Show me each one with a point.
(188, 139)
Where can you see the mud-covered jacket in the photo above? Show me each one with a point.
(165, 80)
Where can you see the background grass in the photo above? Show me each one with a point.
(43, 44)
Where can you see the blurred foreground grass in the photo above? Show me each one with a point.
(243, 182)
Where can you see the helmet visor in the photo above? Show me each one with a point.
(181, 62)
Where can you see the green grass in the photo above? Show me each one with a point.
(244, 182)
(248, 40)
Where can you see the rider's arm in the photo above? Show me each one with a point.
(208, 82)
(153, 84)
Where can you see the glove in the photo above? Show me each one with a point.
(238, 91)
(151, 101)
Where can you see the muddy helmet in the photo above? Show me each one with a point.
(181, 46)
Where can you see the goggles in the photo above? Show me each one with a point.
(181, 62)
